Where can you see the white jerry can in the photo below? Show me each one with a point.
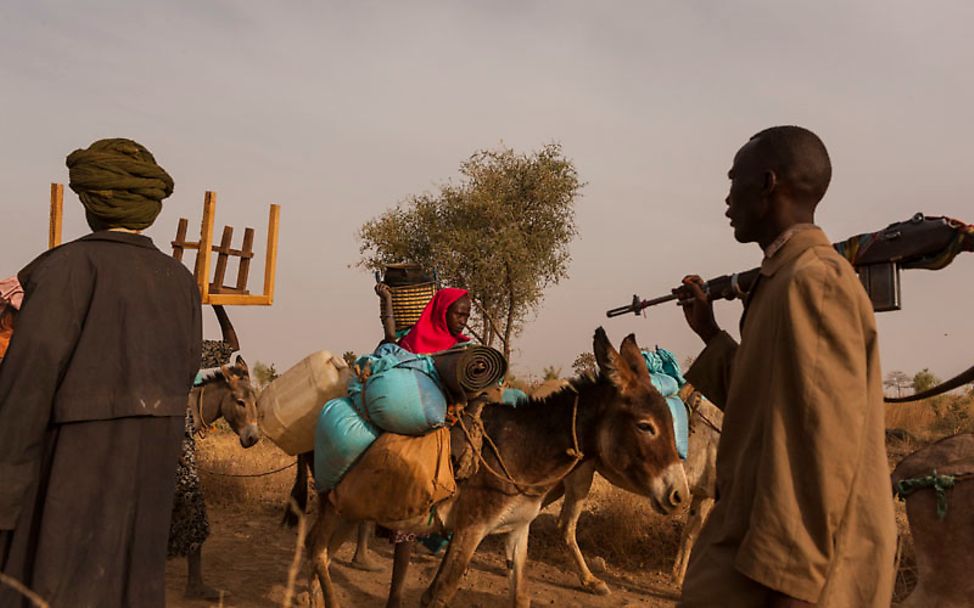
(290, 405)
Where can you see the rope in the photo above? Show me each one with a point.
(201, 429)
(522, 487)
(212, 472)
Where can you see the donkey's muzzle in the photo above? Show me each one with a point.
(672, 491)
(249, 435)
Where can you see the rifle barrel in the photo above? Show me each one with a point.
(637, 305)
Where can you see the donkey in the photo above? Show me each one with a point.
(223, 392)
(618, 420)
(226, 392)
(701, 471)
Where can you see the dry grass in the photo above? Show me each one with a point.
(934, 418)
(220, 454)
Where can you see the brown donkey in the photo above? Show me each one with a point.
(226, 392)
(619, 420)
(706, 421)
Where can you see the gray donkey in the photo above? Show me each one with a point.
(619, 421)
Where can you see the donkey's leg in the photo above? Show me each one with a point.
(699, 509)
(577, 486)
(458, 555)
(363, 557)
(400, 568)
(517, 556)
(320, 542)
(299, 491)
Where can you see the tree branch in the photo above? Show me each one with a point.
(490, 320)
(510, 311)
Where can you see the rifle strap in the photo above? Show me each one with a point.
(960, 379)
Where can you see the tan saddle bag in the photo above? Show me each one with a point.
(398, 478)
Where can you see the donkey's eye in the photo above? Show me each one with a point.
(647, 427)
(241, 403)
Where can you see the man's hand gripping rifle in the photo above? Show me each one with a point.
(920, 242)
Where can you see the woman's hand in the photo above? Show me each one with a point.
(382, 290)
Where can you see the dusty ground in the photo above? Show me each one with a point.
(248, 554)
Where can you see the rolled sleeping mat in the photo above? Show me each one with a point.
(470, 370)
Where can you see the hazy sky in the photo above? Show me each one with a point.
(337, 111)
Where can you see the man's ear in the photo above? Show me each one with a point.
(770, 182)
(611, 363)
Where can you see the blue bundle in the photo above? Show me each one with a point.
(403, 393)
(341, 436)
(664, 372)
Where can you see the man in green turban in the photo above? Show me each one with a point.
(93, 396)
(119, 183)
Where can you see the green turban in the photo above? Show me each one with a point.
(119, 183)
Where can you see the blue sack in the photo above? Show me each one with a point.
(514, 397)
(403, 393)
(340, 438)
(664, 372)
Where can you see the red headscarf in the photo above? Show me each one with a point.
(431, 334)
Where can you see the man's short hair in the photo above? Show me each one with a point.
(799, 158)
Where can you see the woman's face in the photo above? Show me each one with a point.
(457, 315)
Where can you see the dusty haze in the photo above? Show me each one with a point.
(338, 112)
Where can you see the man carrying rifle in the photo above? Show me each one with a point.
(804, 515)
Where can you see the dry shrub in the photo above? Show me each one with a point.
(220, 454)
(934, 418)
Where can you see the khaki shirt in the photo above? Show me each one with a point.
(804, 501)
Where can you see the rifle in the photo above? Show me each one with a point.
(919, 242)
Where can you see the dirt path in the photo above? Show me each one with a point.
(248, 554)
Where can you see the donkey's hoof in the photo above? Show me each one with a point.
(202, 591)
(596, 587)
(366, 564)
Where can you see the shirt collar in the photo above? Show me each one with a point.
(127, 238)
(784, 237)
(793, 242)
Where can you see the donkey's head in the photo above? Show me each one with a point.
(239, 403)
(635, 439)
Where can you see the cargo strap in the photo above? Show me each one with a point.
(523, 487)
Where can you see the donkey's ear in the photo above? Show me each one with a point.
(241, 366)
(228, 374)
(611, 363)
(634, 357)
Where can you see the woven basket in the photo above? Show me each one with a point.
(408, 303)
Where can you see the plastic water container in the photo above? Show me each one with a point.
(290, 405)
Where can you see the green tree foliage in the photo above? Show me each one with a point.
(502, 232)
(584, 364)
(264, 374)
(924, 380)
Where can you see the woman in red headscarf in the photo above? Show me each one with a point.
(441, 325)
